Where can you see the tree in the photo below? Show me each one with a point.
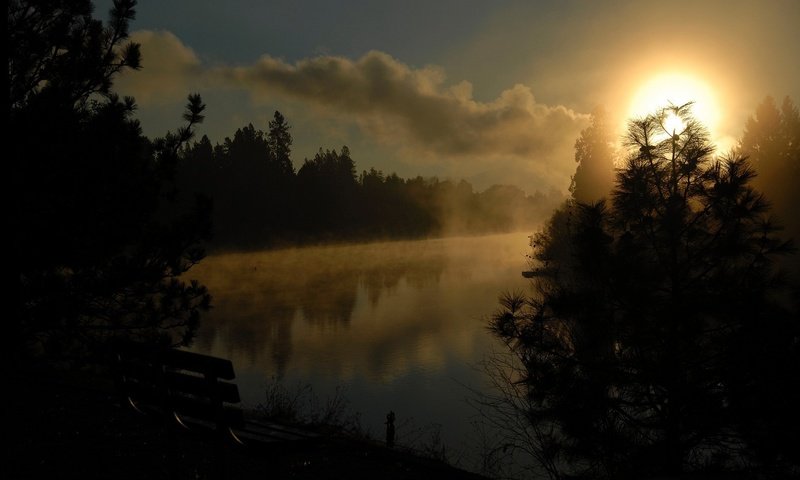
(653, 342)
(328, 186)
(280, 143)
(61, 53)
(772, 141)
(594, 176)
(99, 246)
(197, 167)
(242, 183)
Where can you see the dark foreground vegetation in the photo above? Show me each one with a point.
(662, 337)
(99, 242)
(72, 426)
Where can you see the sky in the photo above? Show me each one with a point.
(491, 92)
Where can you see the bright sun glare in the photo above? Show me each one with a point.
(673, 124)
(678, 89)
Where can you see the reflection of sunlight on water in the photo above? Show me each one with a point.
(383, 316)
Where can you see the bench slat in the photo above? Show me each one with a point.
(181, 384)
(227, 392)
(195, 362)
(180, 359)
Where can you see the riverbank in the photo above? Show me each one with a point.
(69, 426)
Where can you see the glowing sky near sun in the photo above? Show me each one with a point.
(493, 92)
(676, 89)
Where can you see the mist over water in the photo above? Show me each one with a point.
(400, 325)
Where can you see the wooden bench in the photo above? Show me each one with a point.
(194, 392)
(191, 390)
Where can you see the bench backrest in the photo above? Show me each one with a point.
(179, 383)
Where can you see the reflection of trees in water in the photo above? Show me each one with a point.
(328, 295)
(377, 281)
(258, 296)
(280, 331)
(383, 279)
(248, 327)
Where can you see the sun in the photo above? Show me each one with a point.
(673, 124)
(676, 88)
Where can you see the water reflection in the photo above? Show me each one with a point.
(262, 299)
(399, 325)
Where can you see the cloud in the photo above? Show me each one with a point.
(170, 69)
(412, 110)
(390, 98)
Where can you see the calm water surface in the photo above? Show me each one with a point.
(398, 325)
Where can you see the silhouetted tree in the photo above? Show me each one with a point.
(594, 176)
(280, 145)
(281, 185)
(197, 167)
(241, 212)
(251, 181)
(657, 341)
(99, 248)
(376, 205)
(388, 209)
(61, 53)
(328, 184)
(501, 208)
(772, 141)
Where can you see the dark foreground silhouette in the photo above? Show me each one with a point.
(73, 426)
(661, 336)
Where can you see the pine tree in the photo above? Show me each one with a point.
(594, 176)
(99, 247)
(280, 143)
(655, 328)
(772, 141)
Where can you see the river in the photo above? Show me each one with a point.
(393, 326)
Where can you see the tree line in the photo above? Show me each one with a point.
(259, 200)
